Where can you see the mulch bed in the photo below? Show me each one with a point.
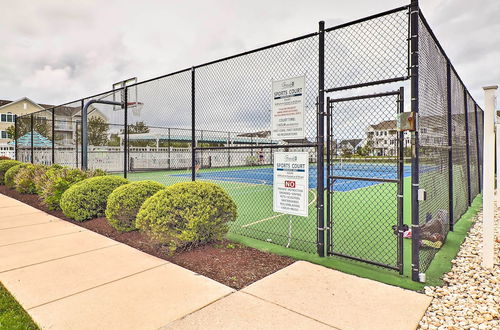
(226, 262)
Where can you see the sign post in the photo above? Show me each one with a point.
(287, 120)
(291, 183)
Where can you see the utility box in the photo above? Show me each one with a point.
(407, 121)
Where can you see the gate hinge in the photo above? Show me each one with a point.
(400, 229)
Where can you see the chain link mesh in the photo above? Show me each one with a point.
(67, 132)
(367, 52)
(233, 108)
(433, 148)
(473, 150)
(459, 149)
(365, 154)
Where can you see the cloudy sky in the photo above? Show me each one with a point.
(55, 51)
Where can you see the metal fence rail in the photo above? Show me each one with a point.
(212, 122)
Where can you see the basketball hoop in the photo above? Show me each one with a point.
(136, 107)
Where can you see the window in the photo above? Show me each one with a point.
(4, 135)
(7, 117)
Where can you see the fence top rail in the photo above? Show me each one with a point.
(367, 18)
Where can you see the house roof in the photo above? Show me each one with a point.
(386, 124)
(352, 142)
(38, 140)
(4, 103)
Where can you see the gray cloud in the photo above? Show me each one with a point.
(56, 51)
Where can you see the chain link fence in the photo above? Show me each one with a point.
(448, 149)
(212, 122)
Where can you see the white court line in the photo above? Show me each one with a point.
(278, 215)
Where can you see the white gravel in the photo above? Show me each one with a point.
(470, 298)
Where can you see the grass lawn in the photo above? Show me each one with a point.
(12, 315)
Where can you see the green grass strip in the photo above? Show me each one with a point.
(12, 315)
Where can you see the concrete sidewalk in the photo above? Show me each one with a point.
(67, 277)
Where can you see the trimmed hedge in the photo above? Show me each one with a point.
(125, 201)
(40, 179)
(187, 214)
(59, 180)
(5, 165)
(11, 173)
(87, 199)
(27, 178)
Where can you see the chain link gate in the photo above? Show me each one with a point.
(365, 175)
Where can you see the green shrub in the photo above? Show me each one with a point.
(4, 166)
(24, 179)
(187, 214)
(11, 173)
(59, 180)
(125, 201)
(87, 199)
(41, 176)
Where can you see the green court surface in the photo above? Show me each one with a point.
(369, 237)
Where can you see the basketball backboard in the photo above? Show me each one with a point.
(119, 94)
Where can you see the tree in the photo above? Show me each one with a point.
(407, 152)
(346, 152)
(138, 128)
(98, 130)
(114, 140)
(41, 125)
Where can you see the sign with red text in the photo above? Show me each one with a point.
(291, 183)
(287, 121)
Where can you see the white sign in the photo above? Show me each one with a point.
(291, 183)
(288, 109)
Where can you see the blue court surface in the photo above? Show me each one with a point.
(264, 175)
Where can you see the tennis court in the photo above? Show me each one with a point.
(251, 188)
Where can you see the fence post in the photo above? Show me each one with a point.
(320, 144)
(15, 138)
(125, 132)
(328, 231)
(401, 170)
(169, 146)
(479, 174)
(53, 135)
(450, 147)
(76, 144)
(415, 221)
(467, 147)
(497, 139)
(489, 177)
(193, 127)
(83, 131)
(229, 150)
(32, 147)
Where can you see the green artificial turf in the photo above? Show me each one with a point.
(439, 266)
(12, 315)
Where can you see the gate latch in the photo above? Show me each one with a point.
(407, 121)
(400, 229)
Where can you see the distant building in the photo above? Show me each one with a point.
(382, 138)
(349, 146)
(66, 121)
